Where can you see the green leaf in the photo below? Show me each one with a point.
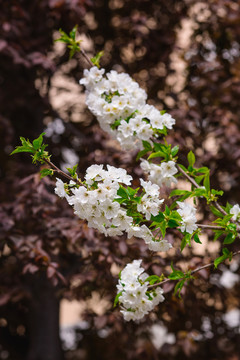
(226, 255)
(216, 212)
(95, 60)
(147, 145)
(167, 210)
(131, 192)
(229, 239)
(115, 124)
(20, 149)
(178, 287)
(196, 239)
(180, 192)
(228, 207)
(117, 298)
(122, 192)
(231, 227)
(72, 171)
(158, 218)
(206, 182)
(217, 192)
(218, 233)
(173, 223)
(186, 240)
(199, 192)
(175, 274)
(46, 172)
(162, 227)
(142, 153)
(174, 150)
(198, 179)
(70, 40)
(191, 158)
(153, 279)
(203, 170)
(160, 147)
(38, 142)
(72, 33)
(157, 154)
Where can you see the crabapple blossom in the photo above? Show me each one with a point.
(134, 296)
(120, 107)
(187, 213)
(162, 174)
(97, 202)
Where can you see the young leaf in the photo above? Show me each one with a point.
(117, 298)
(206, 182)
(229, 239)
(196, 239)
(157, 154)
(158, 218)
(191, 158)
(147, 145)
(95, 60)
(174, 150)
(46, 172)
(226, 255)
(186, 240)
(178, 287)
(216, 212)
(180, 192)
(153, 279)
(38, 142)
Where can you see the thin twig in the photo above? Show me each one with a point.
(211, 227)
(60, 172)
(88, 60)
(192, 181)
(192, 272)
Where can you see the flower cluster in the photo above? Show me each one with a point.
(187, 213)
(162, 174)
(133, 294)
(120, 107)
(97, 202)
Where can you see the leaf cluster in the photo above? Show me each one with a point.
(182, 277)
(37, 151)
(70, 40)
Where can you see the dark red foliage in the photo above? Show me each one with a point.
(47, 254)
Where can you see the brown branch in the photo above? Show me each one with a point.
(191, 180)
(192, 272)
(86, 60)
(62, 173)
(211, 227)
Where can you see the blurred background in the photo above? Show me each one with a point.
(185, 54)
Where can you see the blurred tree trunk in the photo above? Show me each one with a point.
(44, 337)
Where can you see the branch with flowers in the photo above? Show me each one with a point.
(106, 199)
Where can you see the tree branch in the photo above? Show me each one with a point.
(62, 173)
(193, 182)
(211, 227)
(192, 272)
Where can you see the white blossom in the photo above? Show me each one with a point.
(59, 189)
(133, 287)
(162, 174)
(120, 107)
(187, 213)
(235, 211)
